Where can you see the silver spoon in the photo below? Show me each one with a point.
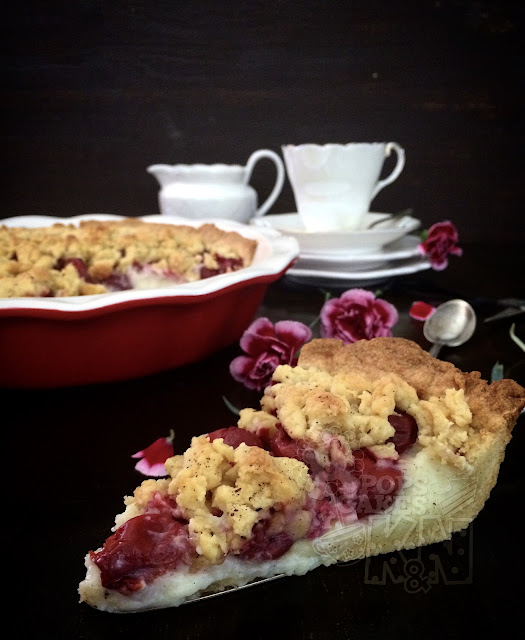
(393, 219)
(450, 325)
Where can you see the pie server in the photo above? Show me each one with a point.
(253, 583)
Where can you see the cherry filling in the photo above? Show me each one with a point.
(224, 265)
(121, 281)
(116, 281)
(158, 541)
(283, 446)
(78, 263)
(342, 492)
(406, 430)
(142, 549)
(333, 497)
(234, 436)
(380, 480)
(264, 545)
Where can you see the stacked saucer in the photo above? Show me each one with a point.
(360, 257)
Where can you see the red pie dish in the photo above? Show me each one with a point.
(62, 341)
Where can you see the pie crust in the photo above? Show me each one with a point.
(302, 482)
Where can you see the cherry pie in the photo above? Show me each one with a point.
(101, 256)
(359, 450)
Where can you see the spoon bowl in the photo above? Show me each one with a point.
(450, 325)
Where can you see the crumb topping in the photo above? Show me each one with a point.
(69, 260)
(309, 404)
(456, 412)
(223, 492)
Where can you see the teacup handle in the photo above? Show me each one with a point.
(279, 181)
(397, 169)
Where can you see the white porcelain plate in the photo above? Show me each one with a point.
(405, 247)
(341, 242)
(335, 277)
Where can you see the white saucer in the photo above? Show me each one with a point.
(405, 247)
(341, 241)
(335, 277)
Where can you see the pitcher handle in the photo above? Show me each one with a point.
(279, 181)
(391, 146)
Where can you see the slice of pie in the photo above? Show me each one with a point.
(359, 450)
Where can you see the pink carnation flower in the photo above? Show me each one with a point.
(441, 240)
(357, 315)
(152, 458)
(266, 347)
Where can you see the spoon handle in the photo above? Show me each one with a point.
(435, 349)
(394, 218)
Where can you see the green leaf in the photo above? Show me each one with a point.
(230, 406)
(497, 372)
(327, 295)
(515, 338)
(423, 235)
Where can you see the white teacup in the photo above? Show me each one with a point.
(334, 184)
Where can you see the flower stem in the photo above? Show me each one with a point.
(314, 322)
(327, 295)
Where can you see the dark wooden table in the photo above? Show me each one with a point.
(68, 466)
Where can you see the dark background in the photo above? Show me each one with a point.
(94, 92)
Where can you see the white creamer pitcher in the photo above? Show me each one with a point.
(215, 190)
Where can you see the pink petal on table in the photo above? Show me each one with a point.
(156, 470)
(421, 310)
(152, 458)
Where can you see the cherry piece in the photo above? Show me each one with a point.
(234, 436)
(142, 549)
(406, 430)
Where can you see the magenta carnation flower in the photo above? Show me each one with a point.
(357, 315)
(441, 240)
(266, 347)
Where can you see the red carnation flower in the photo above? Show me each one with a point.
(441, 240)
